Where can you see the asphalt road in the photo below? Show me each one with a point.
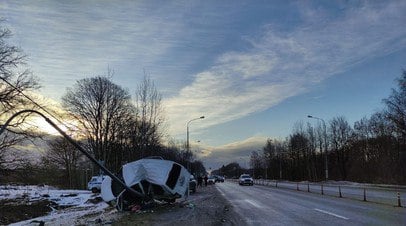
(378, 194)
(261, 205)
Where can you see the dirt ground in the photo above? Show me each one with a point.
(20, 209)
(205, 207)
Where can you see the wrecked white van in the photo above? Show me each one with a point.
(156, 179)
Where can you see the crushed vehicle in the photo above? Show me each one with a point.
(155, 179)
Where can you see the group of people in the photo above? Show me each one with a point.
(200, 181)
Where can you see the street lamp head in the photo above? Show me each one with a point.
(309, 116)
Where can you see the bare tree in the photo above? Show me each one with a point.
(299, 145)
(148, 131)
(103, 110)
(63, 155)
(341, 132)
(396, 106)
(361, 156)
(274, 153)
(385, 150)
(396, 114)
(256, 162)
(13, 81)
(269, 150)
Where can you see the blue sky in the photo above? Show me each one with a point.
(252, 68)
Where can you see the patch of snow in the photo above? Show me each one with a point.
(34, 193)
(76, 202)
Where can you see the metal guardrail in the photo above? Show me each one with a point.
(391, 195)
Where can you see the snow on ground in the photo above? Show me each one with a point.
(34, 193)
(73, 216)
(71, 204)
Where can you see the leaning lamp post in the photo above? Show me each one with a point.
(325, 143)
(187, 136)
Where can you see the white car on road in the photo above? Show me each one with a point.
(245, 179)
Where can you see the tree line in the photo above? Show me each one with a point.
(373, 150)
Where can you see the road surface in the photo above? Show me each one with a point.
(262, 205)
(374, 193)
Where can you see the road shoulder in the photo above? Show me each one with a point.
(206, 207)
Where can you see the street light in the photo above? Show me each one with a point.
(187, 136)
(280, 166)
(325, 143)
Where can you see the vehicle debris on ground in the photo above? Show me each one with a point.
(154, 179)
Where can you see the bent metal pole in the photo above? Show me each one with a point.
(76, 145)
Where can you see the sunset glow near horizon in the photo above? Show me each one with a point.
(252, 68)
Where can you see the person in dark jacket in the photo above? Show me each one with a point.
(199, 181)
(205, 180)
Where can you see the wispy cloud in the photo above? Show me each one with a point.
(68, 41)
(186, 47)
(282, 64)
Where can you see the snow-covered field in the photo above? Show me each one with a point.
(72, 206)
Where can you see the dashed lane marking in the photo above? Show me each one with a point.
(253, 203)
(332, 214)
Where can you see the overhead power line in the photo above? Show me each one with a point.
(34, 102)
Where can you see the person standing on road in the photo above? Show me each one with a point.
(205, 180)
(199, 181)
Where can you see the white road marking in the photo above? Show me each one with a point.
(221, 192)
(332, 214)
(253, 203)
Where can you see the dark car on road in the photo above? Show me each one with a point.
(219, 178)
(245, 179)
